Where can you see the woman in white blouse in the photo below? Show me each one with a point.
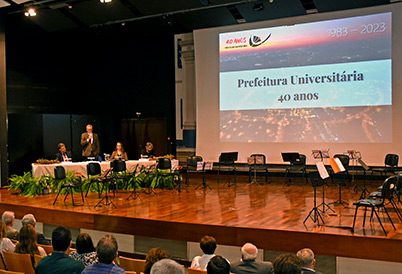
(5, 243)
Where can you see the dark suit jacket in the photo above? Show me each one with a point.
(59, 157)
(249, 267)
(305, 271)
(88, 148)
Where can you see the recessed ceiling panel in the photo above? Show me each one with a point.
(325, 5)
(20, 1)
(4, 4)
(156, 7)
(94, 12)
(52, 20)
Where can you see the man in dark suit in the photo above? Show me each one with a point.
(63, 155)
(306, 256)
(248, 265)
(90, 143)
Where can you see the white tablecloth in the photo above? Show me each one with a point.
(81, 167)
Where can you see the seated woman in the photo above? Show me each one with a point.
(119, 153)
(148, 151)
(208, 246)
(27, 243)
(86, 252)
(154, 255)
(5, 243)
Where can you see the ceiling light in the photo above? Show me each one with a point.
(30, 12)
(105, 1)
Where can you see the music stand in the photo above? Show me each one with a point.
(365, 192)
(323, 174)
(104, 180)
(291, 157)
(353, 155)
(254, 160)
(228, 158)
(320, 154)
(204, 166)
(314, 213)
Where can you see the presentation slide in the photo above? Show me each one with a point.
(320, 82)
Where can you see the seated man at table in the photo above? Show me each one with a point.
(63, 155)
(148, 151)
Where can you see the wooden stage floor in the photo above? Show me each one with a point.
(270, 215)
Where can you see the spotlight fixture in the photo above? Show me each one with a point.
(30, 12)
(105, 1)
(258, 6)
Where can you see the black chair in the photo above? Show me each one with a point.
(375, 205)
(227, 161)
(60, 175)
(255, 166)
(390, 163)
(94, 170)
(296, 166)
(119, 169)
(192, 162)
(166, 164)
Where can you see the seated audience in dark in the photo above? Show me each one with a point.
(154, 255)
(287, 264)
(167, 266)
(8, 218)
(86, 252)
(248, 263)
(119, 153)
(307, 260)
(59, 262)
(63, 155)
(208, 246)
(107, 251)
(30, 219)
(5, 243)
(27, 243)
(218, 265)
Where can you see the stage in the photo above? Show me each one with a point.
(270, 215)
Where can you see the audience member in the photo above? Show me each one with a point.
(306, 256)
(218, 265)
(107, 252)
(86, 252)
(90, 143)
(58, 261)
(154, 255)
(208, 246)
(30, 219)
(63, 155)
(287, 264)
(8, 218)
(27, 243)
(119, 153)
(247, 264)
(5, 243)
(167, 266)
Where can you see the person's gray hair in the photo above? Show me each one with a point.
(167, 266)
(28, 219)
(149, 144)
(249, 252)
(8, 217)
(306, 256)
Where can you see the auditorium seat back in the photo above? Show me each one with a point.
(132, 264)
(18, 262)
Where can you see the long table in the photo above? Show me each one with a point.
(81, 167)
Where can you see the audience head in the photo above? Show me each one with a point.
(306, 256)
(208, 244)
(29, 219)
(249, 252)
(89, 128)
(62, 147)
(218, 265)
(8, 218)
(3, 230)
(167, 266)
(84, 243)
(287, 264)
(154, 255)
(27, 241)
(107, 249)
(61, 239)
